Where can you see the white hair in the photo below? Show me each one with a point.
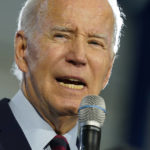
(27, 23)
(118, 15)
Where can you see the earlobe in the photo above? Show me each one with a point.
(20, 51)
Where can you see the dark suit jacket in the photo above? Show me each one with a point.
(11, 135)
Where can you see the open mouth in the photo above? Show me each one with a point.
(72, 83)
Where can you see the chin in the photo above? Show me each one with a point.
(69, 110)
(65, 105)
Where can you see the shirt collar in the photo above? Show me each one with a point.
(37, 131)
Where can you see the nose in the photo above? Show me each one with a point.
(77, 53)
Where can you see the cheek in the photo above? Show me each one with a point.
(37, 56)
(33, 55)
(51, 51)
(100, 64)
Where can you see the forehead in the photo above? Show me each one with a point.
(78, 13)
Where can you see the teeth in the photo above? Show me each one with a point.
(73, 79)
(72, 86)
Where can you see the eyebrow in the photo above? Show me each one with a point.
(62, 29)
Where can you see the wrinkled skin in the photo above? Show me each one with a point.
(72, 39)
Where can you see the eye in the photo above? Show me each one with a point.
(96, 43)
(60, 36)
(93, 42)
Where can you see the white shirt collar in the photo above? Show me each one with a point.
(37, 131)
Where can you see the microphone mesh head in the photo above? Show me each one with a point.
(92, 111)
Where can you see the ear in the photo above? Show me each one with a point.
(20, 51)
(108, 73)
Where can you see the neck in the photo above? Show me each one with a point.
(63, 124)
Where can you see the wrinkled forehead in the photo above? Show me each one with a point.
(75, 7)
(89, 13)
(80, 4)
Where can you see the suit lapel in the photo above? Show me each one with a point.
(11, 135)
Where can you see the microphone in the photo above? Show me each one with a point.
(91, 114)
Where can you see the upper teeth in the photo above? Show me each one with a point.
(71, 79)
(73, 84)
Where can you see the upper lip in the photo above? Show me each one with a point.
(75, 79)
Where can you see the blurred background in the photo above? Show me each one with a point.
(127, 96)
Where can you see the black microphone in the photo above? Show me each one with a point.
(91, 113)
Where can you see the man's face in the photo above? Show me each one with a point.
(69, 55)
